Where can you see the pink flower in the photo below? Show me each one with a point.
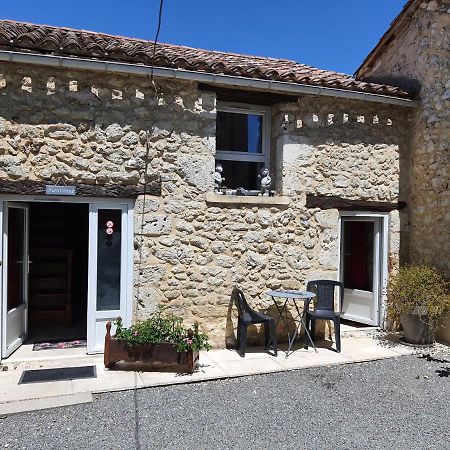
(136, 333)
(189, 341)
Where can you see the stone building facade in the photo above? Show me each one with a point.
(86, 110)
(191, 246)
(414, 54)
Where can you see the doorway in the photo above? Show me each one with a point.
(66, 269)
(58, 271)
(363, 267)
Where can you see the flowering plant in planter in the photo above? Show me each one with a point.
(161, 341)
(159, 328)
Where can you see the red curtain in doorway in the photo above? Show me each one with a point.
(358, 262)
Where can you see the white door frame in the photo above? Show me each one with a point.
(381, 294)
(75, 199)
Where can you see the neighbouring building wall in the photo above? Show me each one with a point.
(418, 58)
(90, 128)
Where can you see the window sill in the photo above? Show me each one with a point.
(217, 199)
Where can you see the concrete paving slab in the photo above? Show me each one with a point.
(251, 366)
(111, 381)
(17, 392)
(45, 403)
(369, 353)
(309, 358)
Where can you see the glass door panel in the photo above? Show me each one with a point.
(109, 251)
(358, 255)
(16, 257)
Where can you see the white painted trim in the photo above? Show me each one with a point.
(204, 77)
(383, 239)
(384, 258)
(130, 267)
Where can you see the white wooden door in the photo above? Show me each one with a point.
(361, 268)
(15, 265)
(110, 270)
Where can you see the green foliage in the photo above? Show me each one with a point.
(418, 290)
(161, 327)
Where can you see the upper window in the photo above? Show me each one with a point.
(242, 144)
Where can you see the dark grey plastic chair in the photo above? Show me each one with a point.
(248, 316)
(324, 307)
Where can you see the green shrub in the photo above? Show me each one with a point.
(159, 328)
(418, 290)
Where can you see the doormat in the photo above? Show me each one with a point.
(59, 374)
(57, 344)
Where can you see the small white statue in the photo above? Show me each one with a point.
(266, 181)
(218, 178)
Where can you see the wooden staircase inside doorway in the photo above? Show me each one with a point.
(50, 276)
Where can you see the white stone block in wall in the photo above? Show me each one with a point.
(296, 153)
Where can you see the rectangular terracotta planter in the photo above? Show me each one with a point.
(156, 357)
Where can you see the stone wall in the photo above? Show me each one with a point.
(418, 58)
(83, 127)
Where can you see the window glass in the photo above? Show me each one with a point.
(16, 257)
(109, 259)
(241, 174)
(239, 132)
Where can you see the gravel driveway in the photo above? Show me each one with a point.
(401, 403)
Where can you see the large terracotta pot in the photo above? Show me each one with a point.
(416, 330)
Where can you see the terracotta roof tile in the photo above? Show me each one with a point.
(27, 37)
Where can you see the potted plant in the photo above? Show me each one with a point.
(161, 342)
(418, 296)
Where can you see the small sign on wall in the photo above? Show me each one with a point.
(59, 190)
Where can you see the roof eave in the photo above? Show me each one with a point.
(205, 77)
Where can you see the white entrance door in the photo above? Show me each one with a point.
(15, 267)
(110, 268)
(361, 268)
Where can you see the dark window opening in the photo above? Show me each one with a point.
(239, 132)
(243, 174)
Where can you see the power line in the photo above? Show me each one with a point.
(147, 150)
(156, 40)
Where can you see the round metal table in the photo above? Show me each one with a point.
(292, 296)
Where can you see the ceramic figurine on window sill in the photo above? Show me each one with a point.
(218, 179)
(266, 182)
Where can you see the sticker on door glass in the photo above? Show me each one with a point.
(109, 224)
(109, 231)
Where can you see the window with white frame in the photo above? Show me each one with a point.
(242, 144)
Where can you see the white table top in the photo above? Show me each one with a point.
(291, 294)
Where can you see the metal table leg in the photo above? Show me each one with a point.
(299, 321)
(301, 315)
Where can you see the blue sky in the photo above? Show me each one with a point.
(330, 34)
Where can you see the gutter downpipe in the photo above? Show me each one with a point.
(204, 77)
